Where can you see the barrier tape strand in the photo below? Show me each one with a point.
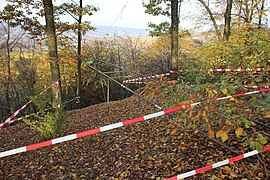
(218, 164)
(200, 70)
(9, 120)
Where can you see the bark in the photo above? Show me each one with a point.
(174, 34)
(53, 56)
(212, 19)
(8, 83)
(227, 17)
(261, 14)
(239, 13)
(79, 80)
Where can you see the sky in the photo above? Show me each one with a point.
(121, 13)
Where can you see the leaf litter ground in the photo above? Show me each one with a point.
(146, 150)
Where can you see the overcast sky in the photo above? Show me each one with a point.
(132, 16)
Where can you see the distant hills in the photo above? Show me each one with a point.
(107, 31)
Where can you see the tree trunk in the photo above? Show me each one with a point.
(212, 19)
(79, 80)
(239, 13)
(261, 14)
(8, 83)
(174, 34)
(227, 16)
(53, 56)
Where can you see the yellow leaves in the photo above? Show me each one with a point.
(211, 133)
(225, 91)
(239, 132)
(223, 135)
(173, 132)
(218, 134)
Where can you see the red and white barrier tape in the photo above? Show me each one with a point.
(201, 70)
(149, 77)
(27, 116)
(228, 70)
(8, 120)
(188, 85)
(257, 87)
(56, 87)
(135, 82)
(218, 164)
(116, 125)
(239, 70)
(244, 86)
(23, 117)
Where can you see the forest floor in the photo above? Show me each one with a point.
(146, 150)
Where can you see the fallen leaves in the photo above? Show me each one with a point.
(223, 135)
(211, 133)
(267, 114)
(173, 132)
(239, 132)
(147, 150)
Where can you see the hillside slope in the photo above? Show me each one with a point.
(146, 150)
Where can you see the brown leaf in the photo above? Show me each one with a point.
(150, 158)
(197, 117)
(174, 131)
(204, 114)
(228, 169)
(267, 114)
(187, 104)
(173, 82)
(211, 133)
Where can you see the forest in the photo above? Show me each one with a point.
(175, 104)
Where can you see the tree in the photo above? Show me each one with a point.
(261, 11)
(13, 18)
(77, 12)
(174, 34)
(170, 9)
(227, 16)
(212, 19)
(52, 50)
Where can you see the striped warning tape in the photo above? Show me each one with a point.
(23, 117)
(218, 164)
(188, 85)
(8, 120)
(244, 86)
(200, 70)
(239, 70)
(150, 77)
(77, 99)
(257, 87)
(116, 125)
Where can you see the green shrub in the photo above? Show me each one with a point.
(48, 124)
